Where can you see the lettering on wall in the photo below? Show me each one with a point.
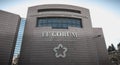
(57, 33)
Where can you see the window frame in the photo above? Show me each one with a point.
(68, 24)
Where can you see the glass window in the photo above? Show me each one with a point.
(59, 22)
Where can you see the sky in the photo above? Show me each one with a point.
(105, 14)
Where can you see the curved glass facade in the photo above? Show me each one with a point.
(59, 22)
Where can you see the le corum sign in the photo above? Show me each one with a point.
(59, 34)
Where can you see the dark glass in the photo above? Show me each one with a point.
(59, 22)
(57, 9)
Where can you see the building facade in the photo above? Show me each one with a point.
(9, 24)
(57, 34)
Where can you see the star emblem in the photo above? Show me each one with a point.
(60, 51)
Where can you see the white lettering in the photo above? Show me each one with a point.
(64, 34)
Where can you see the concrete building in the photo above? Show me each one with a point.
(57, 34)
(9, 24)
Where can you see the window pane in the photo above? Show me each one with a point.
(59, 22)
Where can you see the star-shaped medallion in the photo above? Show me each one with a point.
(60, 51)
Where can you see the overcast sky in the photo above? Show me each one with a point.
(104, 13)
